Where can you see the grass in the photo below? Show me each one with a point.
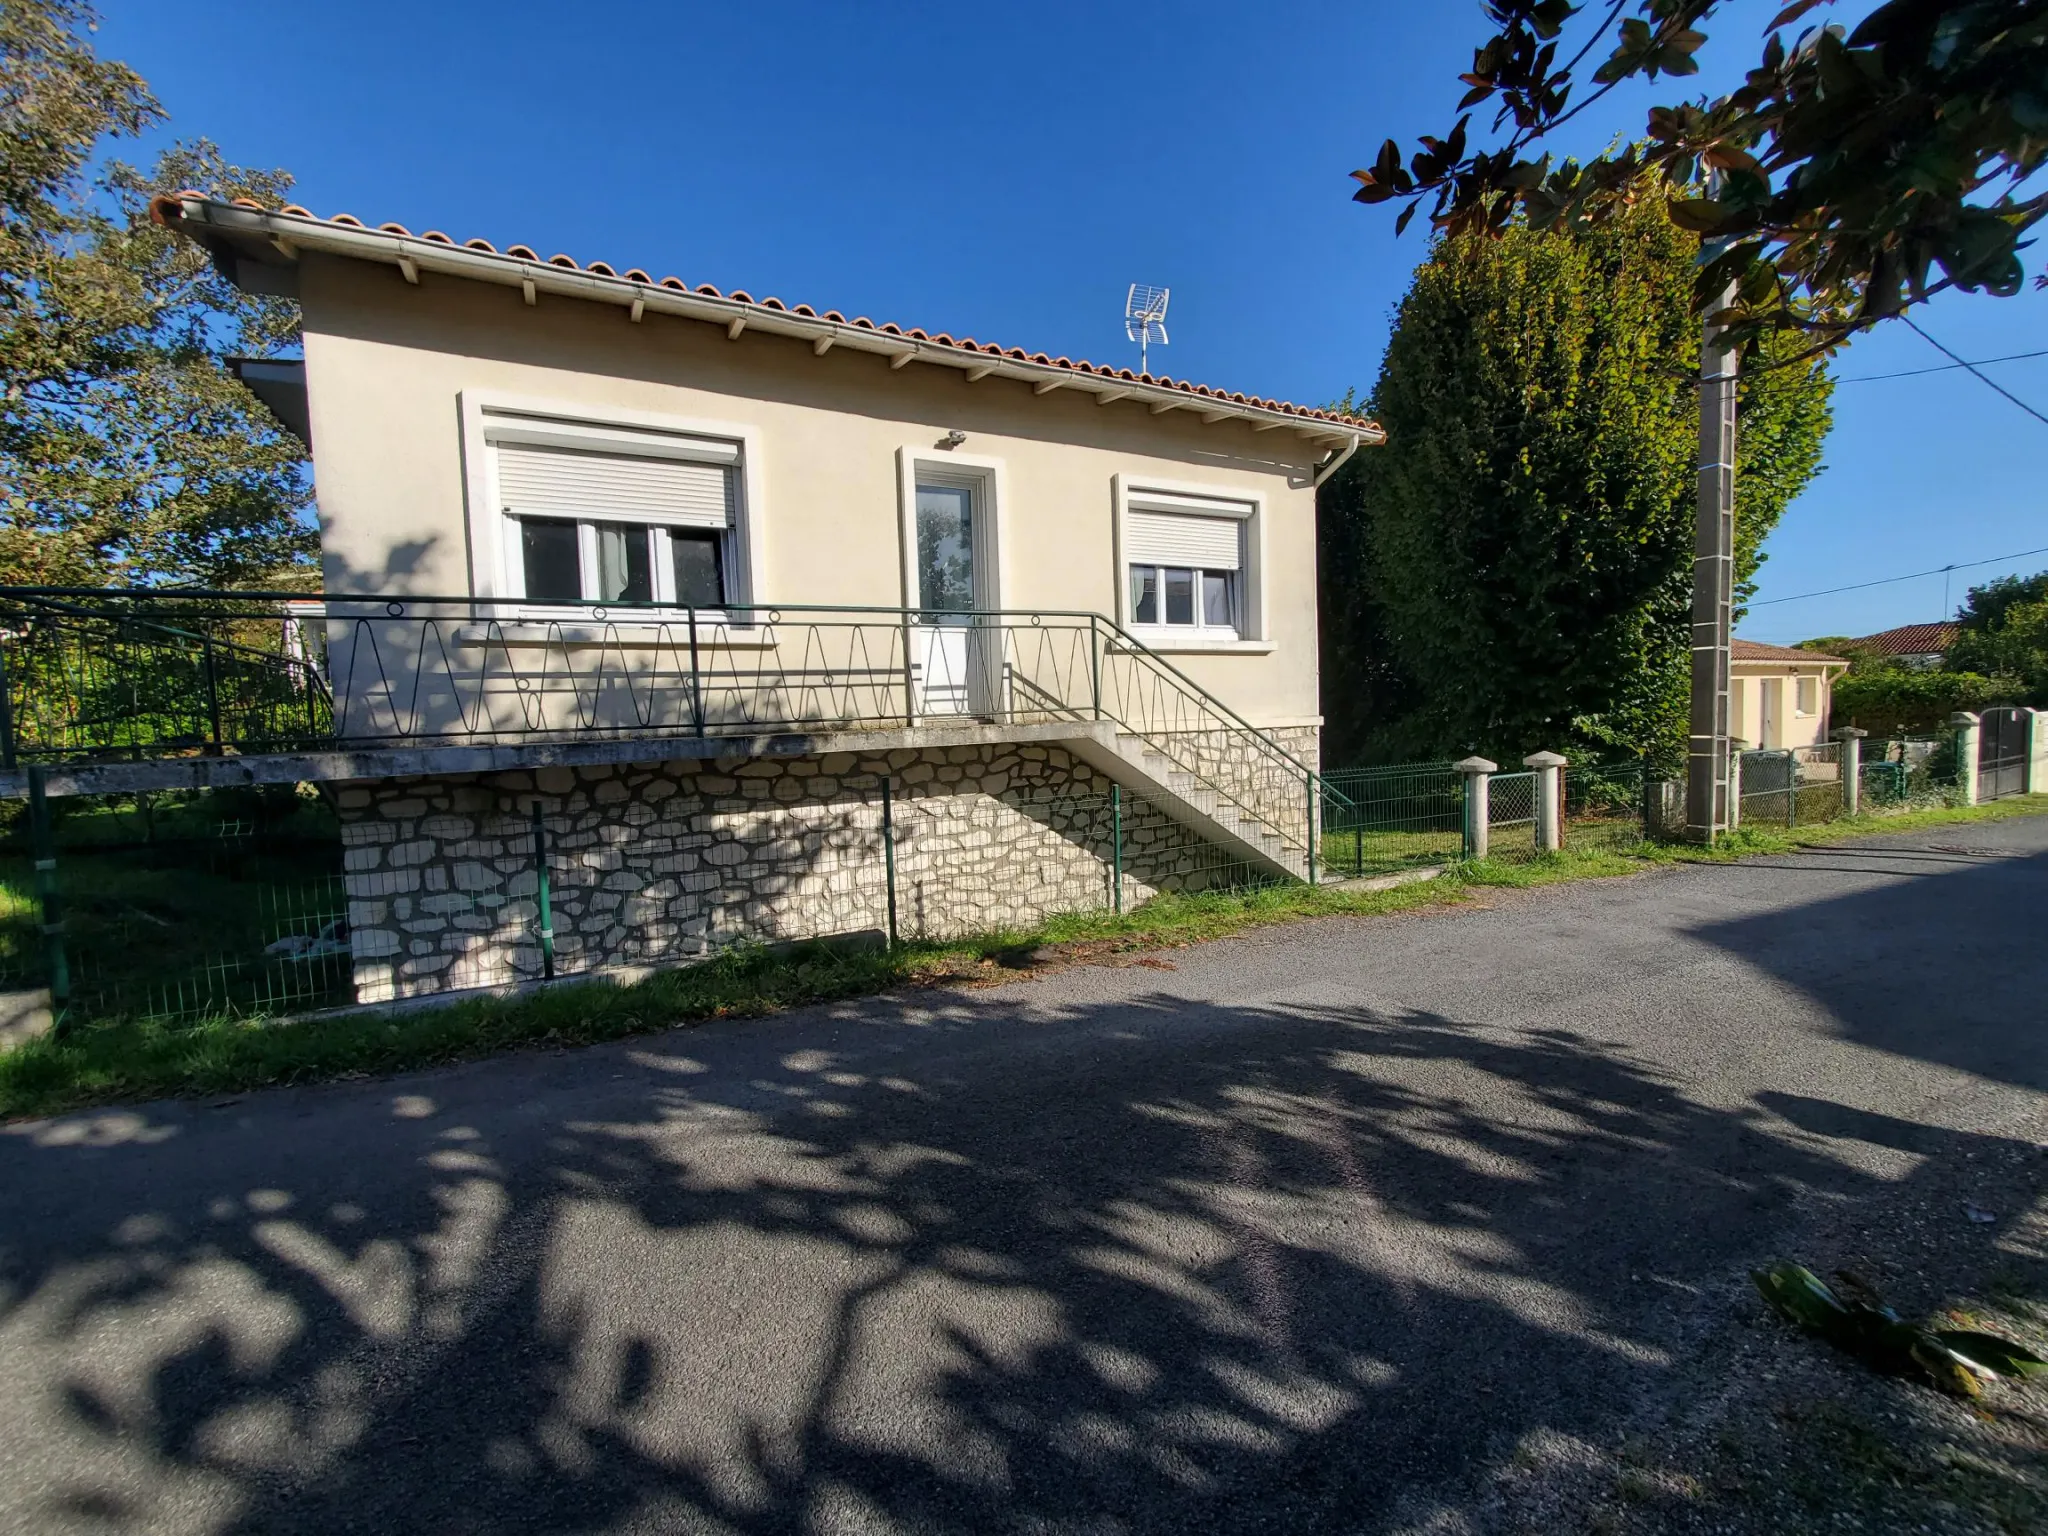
(140, 1058)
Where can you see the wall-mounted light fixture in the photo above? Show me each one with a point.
(953, 439)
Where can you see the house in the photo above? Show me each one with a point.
(1779, 695)
(1920, 646)
(710, 583)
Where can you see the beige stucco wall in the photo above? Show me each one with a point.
(1746, 703)
(387, 362)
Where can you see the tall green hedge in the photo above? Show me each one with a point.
(1904, 702)
(1513, 569)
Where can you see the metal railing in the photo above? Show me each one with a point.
(140, 674)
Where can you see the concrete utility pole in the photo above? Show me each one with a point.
(1713, 588)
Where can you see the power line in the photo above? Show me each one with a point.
(1913, 373)
(1886, 581)
(1944, 351)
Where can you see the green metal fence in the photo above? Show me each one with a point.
(1380, 820)
(191, 906)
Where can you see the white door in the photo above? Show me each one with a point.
(947, 555)
(1773, 724)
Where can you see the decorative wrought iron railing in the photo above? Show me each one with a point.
(141, 674)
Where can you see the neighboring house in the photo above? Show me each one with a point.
(1920, 646)
(651, 530)
(1779, 695)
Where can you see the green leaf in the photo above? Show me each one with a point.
(1988, 1352)
(1701, 215)
(1801, 1296)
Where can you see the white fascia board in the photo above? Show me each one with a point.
(277, 232)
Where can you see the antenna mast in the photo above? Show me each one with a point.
(1145, 320)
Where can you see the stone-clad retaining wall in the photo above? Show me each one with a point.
(660, 863)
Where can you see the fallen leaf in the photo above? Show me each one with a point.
(1152, 962)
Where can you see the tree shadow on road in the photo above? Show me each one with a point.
(1230, 1268)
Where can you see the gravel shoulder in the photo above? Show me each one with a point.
(1434, 1223)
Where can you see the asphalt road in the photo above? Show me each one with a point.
(1313, 1230)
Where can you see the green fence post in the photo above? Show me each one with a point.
(1309, 781)
(541, 895)
(1116, 847)
(889, 853)
(45, 850)
(1358, 841)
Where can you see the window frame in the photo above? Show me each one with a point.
(1198, 626)
(987, 479)
(1801, 686)
(1250, 634)
(496, 564)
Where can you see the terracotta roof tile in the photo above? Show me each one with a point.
(165, 209)
(1756, 650)
(1911, 640)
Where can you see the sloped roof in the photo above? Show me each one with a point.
(1911, 640)
(276, 231)
(1756, 650)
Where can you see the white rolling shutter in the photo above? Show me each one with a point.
(538, 481)
(1176, 538)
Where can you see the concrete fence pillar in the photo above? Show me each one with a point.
(2037, 751)
(1966, 725)
(1735, 746)
(1851, 765)
(1549, 799)
(1478, 815)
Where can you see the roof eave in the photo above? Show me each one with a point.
(233, 236)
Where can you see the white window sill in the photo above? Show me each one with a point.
(631, 632)
(1175, 641)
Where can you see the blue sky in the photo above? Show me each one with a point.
(1005, 172)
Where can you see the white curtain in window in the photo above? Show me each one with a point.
(536, 481)
(1178, 538)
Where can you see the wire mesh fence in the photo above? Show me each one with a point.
(182, 906)
(1607, 806)
(1380, 820)
(1911, 773)
(1511, 806)
(229, 905)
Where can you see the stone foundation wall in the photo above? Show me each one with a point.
(663, 863)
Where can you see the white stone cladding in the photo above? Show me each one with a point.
(663, 863)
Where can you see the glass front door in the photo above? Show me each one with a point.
(946, 598)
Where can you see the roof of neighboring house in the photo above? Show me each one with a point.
(1756, 650)
(272, 237)
(1911, 640)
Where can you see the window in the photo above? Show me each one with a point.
(615, 515)
(1186, 569)
(1806, 696)
(1193, 598)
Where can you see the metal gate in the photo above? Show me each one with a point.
(2001, 753)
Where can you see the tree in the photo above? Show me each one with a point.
(1851, 163)
(1520, 550)
(129, 452)
(2004, 630)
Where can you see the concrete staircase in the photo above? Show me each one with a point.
(1137, 765)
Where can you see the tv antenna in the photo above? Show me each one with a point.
(1145, 319)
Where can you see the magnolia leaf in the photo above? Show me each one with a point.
(1944, 1369)
(1801, 1296)
(1701, 215)
(1407, 213)
(1988, 1352)
(1792, 13)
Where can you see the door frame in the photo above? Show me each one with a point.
(982, 648)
